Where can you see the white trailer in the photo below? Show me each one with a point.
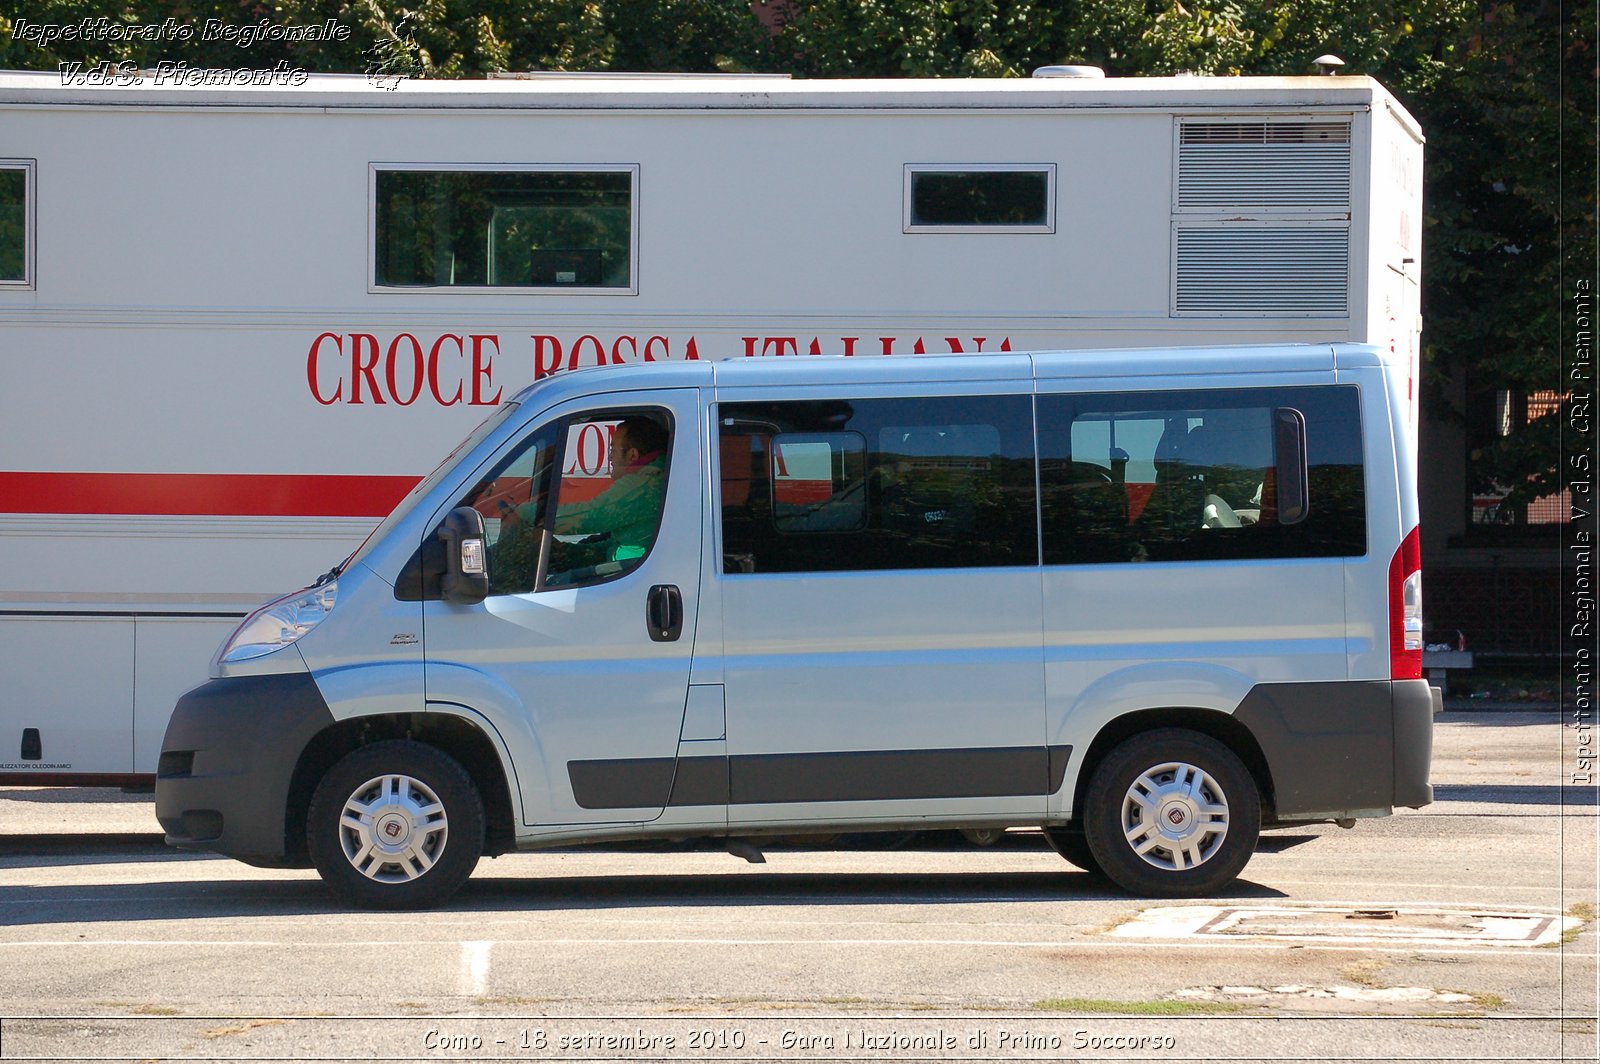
(238, 324)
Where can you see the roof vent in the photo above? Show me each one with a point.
(1328, 64)
(1069, 72)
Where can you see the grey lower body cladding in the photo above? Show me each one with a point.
(1343, 745)
(856, 776)
(1330, 747)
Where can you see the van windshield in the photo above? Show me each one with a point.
(427, 483)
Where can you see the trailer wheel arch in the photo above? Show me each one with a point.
(454, 735)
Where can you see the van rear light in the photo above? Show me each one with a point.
(1405, 609)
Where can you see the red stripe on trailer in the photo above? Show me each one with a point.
(202, 494)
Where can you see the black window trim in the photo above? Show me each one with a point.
(908, 227)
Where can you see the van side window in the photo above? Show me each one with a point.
(1187, 476)
(871, 484)
(578, 503)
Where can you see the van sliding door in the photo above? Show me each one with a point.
(880, 590)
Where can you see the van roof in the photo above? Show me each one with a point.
(805, 370)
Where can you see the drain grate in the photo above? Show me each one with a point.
(1364, 923)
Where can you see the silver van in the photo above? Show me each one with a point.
(1149, 601)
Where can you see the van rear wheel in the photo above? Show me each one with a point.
(1172, 813)
(396, 825)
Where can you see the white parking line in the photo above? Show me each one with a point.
(475, 968)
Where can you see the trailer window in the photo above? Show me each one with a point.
(872, 484)
(980, 198)
(1186, 476)
(554, 229)
(16, 177)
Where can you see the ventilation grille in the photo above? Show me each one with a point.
(1273, 165)
(1266, 133)
(1262, 270)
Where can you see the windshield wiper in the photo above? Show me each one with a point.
(331, 575)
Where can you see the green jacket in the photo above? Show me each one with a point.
(629, 510)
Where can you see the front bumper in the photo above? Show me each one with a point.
(228, 760)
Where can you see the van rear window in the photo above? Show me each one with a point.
(1186, 476)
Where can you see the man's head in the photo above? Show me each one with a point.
(636, 437)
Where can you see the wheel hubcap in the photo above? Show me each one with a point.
(393, 828)
(1175, 816)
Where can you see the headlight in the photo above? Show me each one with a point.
(279, 623)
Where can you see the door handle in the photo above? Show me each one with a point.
(663, 613)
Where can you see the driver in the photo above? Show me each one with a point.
(628, 512)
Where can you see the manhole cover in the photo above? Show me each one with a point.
(1364, 923)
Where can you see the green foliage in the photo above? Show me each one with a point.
(417, 38)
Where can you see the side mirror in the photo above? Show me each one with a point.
(466, 575)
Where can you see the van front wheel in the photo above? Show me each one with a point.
(1070, 843)
(1172, 813)
(396, 825)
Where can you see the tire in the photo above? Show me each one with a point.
(1071, 844)
(983, 836)
(1172, 814)
(417, 795)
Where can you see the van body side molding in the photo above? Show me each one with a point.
(854, 776)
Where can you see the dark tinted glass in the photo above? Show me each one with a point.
(1182, 476)
(512, 228)
(13, 224)
(825, 486)
(980, 197)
